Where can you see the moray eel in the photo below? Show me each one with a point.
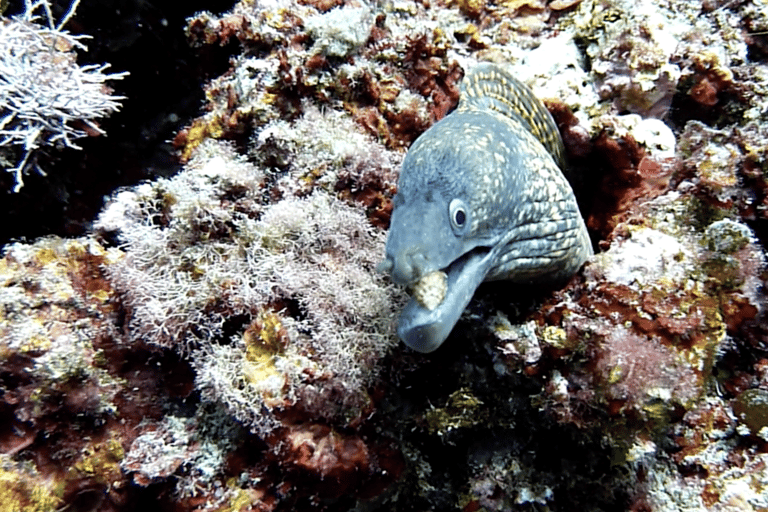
(481, 197)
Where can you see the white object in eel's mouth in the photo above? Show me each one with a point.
(429, 291)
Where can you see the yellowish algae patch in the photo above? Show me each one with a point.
(462, 409)
(201, 130)
(240, 500)
(264, 340)
(99, 460)
(22, 489)
(49, 286)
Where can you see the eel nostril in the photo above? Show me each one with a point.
(401, 268)
(419, 263)
(406, 266)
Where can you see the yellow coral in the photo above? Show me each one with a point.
(463, 409)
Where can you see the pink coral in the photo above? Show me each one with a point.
(638, 372)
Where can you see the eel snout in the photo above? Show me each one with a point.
(439, 299)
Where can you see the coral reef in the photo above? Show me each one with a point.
(57, 307)
(221, 339)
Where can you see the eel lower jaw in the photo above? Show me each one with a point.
(423, 329)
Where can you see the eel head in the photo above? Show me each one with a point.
(430, 249)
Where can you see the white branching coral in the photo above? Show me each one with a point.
(46, 99)
(278, 303)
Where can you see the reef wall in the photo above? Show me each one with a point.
(222, 340)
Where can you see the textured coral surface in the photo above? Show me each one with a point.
(222, 340)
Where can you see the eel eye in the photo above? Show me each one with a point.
(459, 214)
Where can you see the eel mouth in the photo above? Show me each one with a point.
(434, 309)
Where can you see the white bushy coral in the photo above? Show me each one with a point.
(46, 99)
(180, 257)
(322, 148)
(201, 250)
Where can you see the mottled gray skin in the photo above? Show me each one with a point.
(494, 160)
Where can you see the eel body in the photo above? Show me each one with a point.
(481, 196)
